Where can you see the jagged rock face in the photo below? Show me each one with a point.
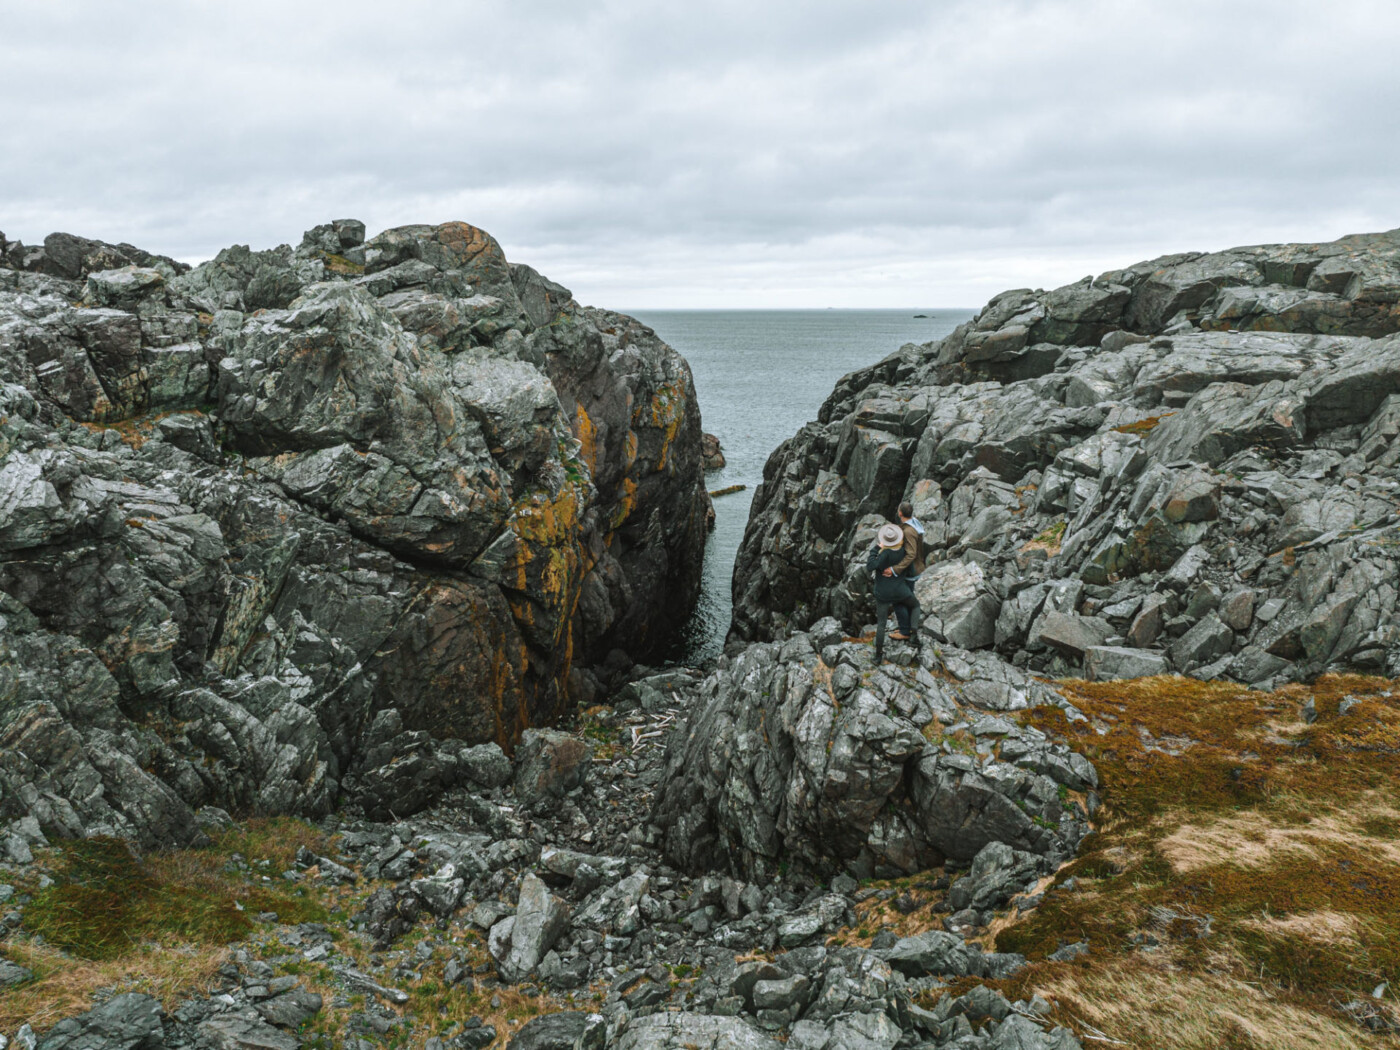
(1191, 465)
(247, 507)
(787, 754)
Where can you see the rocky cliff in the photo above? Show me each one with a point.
(1191, 464)
(295, 527)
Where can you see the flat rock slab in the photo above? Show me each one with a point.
(244, 1030)
(1072, 634)
(687, 1031)
(1104, 663)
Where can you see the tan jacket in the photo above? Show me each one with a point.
(911, 553)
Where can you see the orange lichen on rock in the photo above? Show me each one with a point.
(667, 415)
(587, 435)
(625, 504)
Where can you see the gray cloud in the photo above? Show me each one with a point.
(901, 153)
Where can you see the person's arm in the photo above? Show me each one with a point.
(911, 549)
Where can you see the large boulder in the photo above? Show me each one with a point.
(787, 756)
(295, 528)
(1086, 460)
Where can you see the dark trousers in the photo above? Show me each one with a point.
(906, 614)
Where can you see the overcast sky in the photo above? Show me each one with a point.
(753, 153)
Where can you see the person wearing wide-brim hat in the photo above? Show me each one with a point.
(893, 590)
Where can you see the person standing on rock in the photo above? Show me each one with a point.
(891, 589)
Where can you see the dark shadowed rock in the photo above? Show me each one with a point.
(548, 762)
(566, 1030)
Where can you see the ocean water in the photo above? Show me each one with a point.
(760, 375)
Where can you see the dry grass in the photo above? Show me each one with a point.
(1143, 426)
(163, 924)
(106, 902)
(64, 986)
(1243, 880)
(159, 923)
(874, 915)
(1256, 839)
(273, 839)
(1159, 1009)
(434, 1007)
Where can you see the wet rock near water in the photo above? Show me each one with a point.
(1191, 465)
(713, 452)
(296, 529)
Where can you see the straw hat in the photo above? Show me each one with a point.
(891, 536)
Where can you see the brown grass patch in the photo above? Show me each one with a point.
(1243, 881)
(1049, 540)
(63, 986)
(1159, 1009)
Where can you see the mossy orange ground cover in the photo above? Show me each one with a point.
(1239, 848)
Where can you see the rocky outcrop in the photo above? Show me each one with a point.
(573, 893)
(298, 526)
(805, 753)
(1192, 464)
(713, 453)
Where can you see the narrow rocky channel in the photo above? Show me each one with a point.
(270, 777)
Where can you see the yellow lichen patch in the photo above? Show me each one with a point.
(587, 434)
(668, 406)
(626, 503)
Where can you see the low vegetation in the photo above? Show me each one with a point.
(158, 924)
(1242, 888)
(102, 919)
